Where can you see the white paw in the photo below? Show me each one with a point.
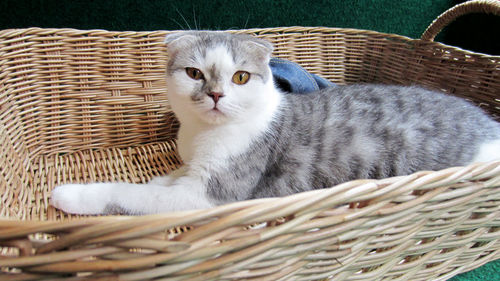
(82, 199)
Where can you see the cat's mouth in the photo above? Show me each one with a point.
(215, 116)
(216, 110)
(213, 113)
(210, 110)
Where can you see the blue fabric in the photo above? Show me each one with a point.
(291, 77)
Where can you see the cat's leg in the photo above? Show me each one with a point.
(488, 151)
(134, 199)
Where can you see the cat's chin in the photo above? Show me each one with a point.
(214, 117)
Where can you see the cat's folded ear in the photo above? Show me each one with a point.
(260, 46)
(179, 40)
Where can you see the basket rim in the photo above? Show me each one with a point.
(429, 179)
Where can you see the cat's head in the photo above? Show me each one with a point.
(217, 76)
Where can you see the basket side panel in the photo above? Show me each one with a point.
(391, 59)
(14, 156)
(88, 89)
(472, 76)
(15, 198)
(134, 164)
(346, 56)
(335, 54)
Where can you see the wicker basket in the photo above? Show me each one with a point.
(87, 106)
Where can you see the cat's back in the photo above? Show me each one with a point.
(374, 105)
(375, 131)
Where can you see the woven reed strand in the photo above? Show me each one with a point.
(86, 106)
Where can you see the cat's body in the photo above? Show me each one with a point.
(241, 138)
(353, 132)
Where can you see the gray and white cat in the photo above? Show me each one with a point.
(241, 138)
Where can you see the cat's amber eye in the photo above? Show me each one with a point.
(194, 73)
(241, 77)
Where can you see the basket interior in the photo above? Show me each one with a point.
(87, 106)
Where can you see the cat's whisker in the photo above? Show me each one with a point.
(183, 18)
(246, 22)
(196, 26)
(176, 22)
(234, 108)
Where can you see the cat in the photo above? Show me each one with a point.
(241, 138)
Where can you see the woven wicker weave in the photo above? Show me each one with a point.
(87, 106)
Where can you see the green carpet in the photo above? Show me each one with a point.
(404, 17)
(487, 272)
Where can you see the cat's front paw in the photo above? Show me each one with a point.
(84, 199)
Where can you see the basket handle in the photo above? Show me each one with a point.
(469, 7)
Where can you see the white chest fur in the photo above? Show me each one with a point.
(205, 146)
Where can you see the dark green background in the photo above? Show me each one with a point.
(405, 17)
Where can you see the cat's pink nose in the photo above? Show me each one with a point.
(215, 96)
